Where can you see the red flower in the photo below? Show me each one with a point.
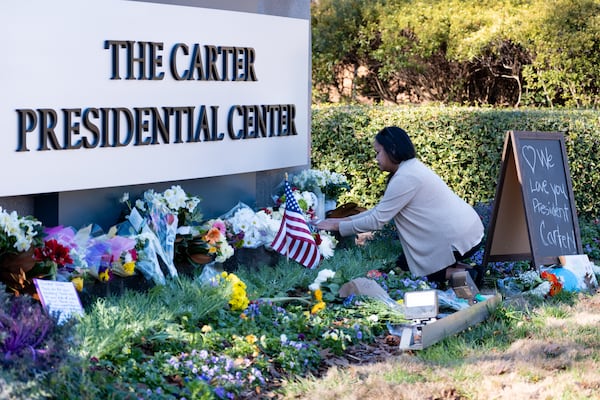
(556, 286)
(374, 273)
(53, 251)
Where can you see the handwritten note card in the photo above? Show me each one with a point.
(59, 297)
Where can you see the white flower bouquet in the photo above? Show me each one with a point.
(18, 234)
(254, 228)
(331, 184)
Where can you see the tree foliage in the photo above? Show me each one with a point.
(506, 52)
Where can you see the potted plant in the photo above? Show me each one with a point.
(19, 236)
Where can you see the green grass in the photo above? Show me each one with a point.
(122, 346)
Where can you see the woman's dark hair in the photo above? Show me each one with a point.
(396, 143)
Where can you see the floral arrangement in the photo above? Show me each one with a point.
(175, 200)
(209, 239)
(51, 257)
(18, 234)
(165, 215)
(540, 284)
(254, 228)
(307, 201)
(75, 255)
(331, 184)
(555, 284)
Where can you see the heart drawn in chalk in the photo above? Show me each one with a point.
(528, 153)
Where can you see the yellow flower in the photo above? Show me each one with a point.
(239, 302)
(239, 299)
(129, 267)
(206, 328)
(318, 295)
(104, 276)
(78, 282)
(251, 339)
(317, 307)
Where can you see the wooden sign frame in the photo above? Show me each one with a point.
(534, 216)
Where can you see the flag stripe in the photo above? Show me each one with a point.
(294, 239)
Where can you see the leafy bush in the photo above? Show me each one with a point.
(463, 145)
(537, 52)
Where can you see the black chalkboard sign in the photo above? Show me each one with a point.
(534, 214)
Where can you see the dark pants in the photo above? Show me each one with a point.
(439, 276)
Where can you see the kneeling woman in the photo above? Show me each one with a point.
(437, 229)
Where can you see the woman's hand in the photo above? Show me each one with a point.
(330, 224)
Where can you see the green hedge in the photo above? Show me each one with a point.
(463, 145)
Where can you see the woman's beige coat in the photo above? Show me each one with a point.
(432, 221)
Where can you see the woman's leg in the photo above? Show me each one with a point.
(445, 274)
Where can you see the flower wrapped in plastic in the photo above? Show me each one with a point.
(109, 255)
(175, 200)
(49, 258)
(165, 214)
(531, 282)
(149, 247)
(163, 224)
(76, 244)
(147, 258)
(255, 228)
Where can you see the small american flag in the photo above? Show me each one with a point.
(294, 239)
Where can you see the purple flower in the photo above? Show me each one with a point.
(220, 392)
(348, 301)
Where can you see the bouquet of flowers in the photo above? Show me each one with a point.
(209, 239)
(531, 282)
(307, 201)
(109, 255)
(254, 228)
(165, 215)
(331, 184)
(18, 234)
(175, 200)
(50, 258)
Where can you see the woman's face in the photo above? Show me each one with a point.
(383, 160)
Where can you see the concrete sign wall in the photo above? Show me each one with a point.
(111, 93)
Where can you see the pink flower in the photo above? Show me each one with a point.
(374, 274)
(220, 225)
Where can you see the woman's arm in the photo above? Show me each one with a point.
(331, 224)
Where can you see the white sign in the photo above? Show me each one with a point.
(59, 297)
(104, 93)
